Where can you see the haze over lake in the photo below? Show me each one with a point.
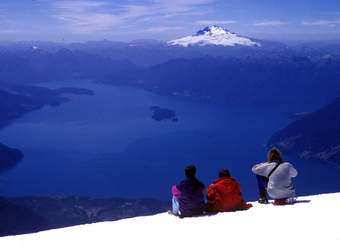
(108, 145)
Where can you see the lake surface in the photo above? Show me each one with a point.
(108, 145)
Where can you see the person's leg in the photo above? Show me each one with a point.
(280, 201)
(284, 201)
(209, 208)
(175, 206)
(262, 186)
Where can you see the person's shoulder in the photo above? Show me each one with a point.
(263, 164)
(200, 182)
(232, 179)
(188, 181)
(218, 180)
(181, 183)
(285, 163)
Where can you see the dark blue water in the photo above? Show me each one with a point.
(108, 145)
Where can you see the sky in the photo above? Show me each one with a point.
(126, 20)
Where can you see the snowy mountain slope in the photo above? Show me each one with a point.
(214, 35)
(313, 221)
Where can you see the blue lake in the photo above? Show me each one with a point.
(108, 145)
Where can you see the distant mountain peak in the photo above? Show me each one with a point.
(214, 35)
(213, 30)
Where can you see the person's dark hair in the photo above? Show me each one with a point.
(274, 155)
(224, 173)
(190, 171)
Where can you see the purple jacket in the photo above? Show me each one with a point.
(191, 200)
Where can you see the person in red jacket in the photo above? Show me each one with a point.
(225, 194)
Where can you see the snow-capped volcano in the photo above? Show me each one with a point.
(214, 35)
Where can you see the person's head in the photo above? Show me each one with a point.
(190, 171)
(224, 173)
(274, 155)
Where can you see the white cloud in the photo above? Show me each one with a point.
(162, 29)
(321, 22)
(270, 23)
(211, 22)
(4, 21)
(78, 6)
(90, 22)
(8, 31)
(85, 16)
(180, 6)
(92, 16)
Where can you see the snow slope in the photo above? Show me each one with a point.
(214, 35)
(313, 221)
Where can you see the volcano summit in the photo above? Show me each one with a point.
(214, 35)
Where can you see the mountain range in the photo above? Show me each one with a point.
(314, 136)
(257, 79)
(214, 64)
(210, 41)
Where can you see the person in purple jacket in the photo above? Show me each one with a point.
(188, 197)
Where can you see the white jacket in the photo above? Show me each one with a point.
(280, 184)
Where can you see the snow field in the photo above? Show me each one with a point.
(312, 221)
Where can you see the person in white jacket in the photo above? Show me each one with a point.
(274, 177)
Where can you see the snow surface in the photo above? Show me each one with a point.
(214, 35)
(312, 221)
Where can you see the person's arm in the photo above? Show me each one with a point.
(239, 187)
(211, 193)
(292, 171)
(203, 186)
(175, 191)
(260, 169)
(179, 186)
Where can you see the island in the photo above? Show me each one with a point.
(160, 114)
(313, 136)
(72, 90)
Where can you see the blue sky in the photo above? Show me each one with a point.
(83, 20)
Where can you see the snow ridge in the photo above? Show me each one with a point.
(312, 221)
(214, 35)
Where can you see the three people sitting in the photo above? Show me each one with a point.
(273, 177)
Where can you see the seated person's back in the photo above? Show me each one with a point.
(225, 194)
(191, 199)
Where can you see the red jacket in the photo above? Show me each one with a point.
(225, 195)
